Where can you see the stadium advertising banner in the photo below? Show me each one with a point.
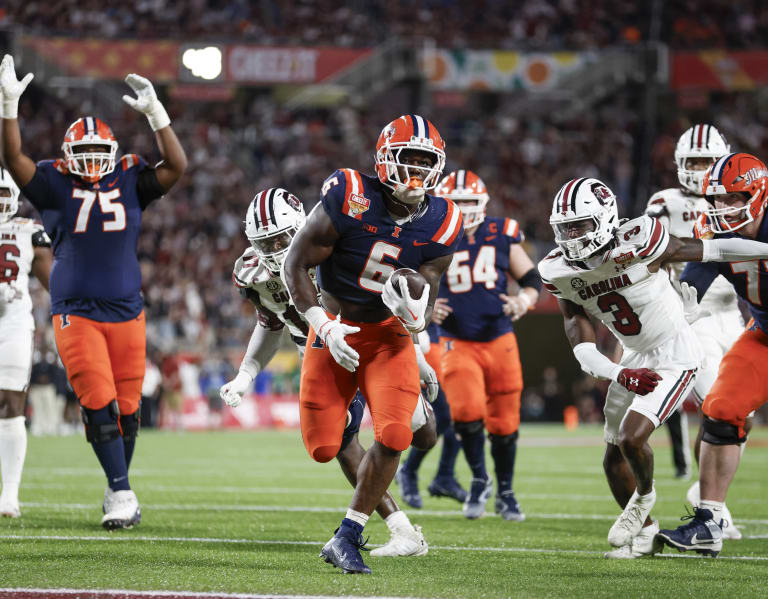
(719, 70)
(489, 70)
(261, 65)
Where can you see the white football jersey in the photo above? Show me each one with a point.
(18, 238)
(269, 294)
(640, 307)
(678, 211)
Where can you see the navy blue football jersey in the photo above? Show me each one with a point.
(94, 229)
(749, 279)
(477, 276)
(371, 245)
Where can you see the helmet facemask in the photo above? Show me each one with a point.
(91, 165)
(9, 203)
(272, 249)
(472, 209)
(691, 176)
(410, 182)
(720, 217)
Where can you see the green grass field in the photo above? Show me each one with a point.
(249, 512)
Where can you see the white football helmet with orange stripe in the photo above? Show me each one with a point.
(273, 218)
(469, 193)
(584, 217)
(700, 141)
(78, 144)
(409, 133)
(9, 196)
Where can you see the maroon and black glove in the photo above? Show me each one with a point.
(639, 380)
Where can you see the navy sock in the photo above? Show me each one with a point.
(474, 450)
(414, 459)
(350, 529)
(128, 446)
(451, 446)
(102, 431)
(504, 450)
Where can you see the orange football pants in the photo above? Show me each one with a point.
(741, 385)
(388, 377)
(104, 360)
(483, 380)
(435, 359)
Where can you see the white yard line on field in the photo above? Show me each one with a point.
(219, 540)
(131, 594)
(187, 507)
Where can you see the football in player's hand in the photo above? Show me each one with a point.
(416, 281)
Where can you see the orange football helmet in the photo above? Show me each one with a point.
(469, 192)
(91, 166)
(409, 132)
(736, 173)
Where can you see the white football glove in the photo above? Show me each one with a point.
(427, 375)
(232, 393)
(332, 333)
(147, 102)
(11, 87)
(691, 308)
(8, 293)
(408, 310)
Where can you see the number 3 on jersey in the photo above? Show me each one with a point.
(461, 277)
(107, 204)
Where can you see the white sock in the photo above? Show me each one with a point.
(644, 498)
(359, 517)
(13, 449)
(716, 507)
(398, 521)
(743, 447)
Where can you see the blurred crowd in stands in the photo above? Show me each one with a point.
(497, 24)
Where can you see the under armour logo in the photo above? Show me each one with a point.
(65, 321)
(633, 381)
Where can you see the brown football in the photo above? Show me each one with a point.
(416, 282)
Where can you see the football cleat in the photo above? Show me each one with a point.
(344, 553)
(447, 486)
(404, 543)
(409, 487)
(508, 508)
(702, 534)
(479, 492)
(121, 509)
(631, 520)
(730, 530)
(645, 544)
(9, 509)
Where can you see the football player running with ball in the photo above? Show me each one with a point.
(613, 272)
(364, 229)
(678, 209)
(481, 370)
(91, 205)
(273, 219)
(24, 250)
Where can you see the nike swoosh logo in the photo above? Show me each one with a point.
(339, 555)
(113, 183)
(490, 237)
(418, 243)
(402, 335)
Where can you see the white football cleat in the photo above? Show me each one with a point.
(631, 521)
(121, 509)
(643, 545)
(403, 543)
(730, 531)
(9, 509)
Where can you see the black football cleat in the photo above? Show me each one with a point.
(447, 486)
(702, 534)
(344, 553)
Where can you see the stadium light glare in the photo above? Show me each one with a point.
(203, 62)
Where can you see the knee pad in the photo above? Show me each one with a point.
(721, 433)
(468, 428)
(396, 437)
(504, 439)
(129, 424)
(101, 425)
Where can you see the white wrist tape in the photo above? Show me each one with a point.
(525, 298)
(317, 318)
(733, 249)
(596, 364)
(158, 117)
(10, 108)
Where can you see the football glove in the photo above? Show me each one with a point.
(691, 308)
(11, 88)
(427, 375)
(8, 293)
(232, 393)
(409, 311)
(516, 306)
(146, 102)
(638, 380)
(332, 333)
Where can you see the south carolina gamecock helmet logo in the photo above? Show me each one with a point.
(89, 149)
